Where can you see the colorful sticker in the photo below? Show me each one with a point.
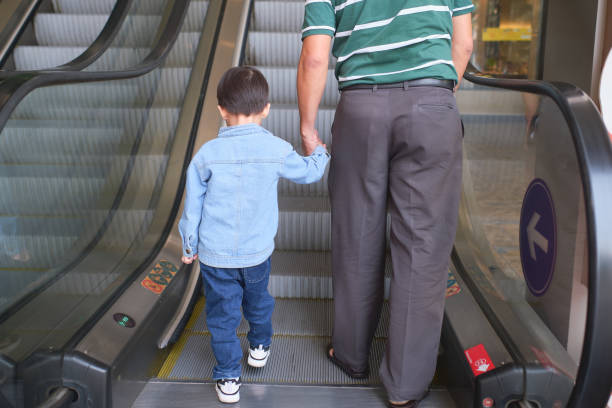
(160, 277)
(479, 360)
(452, 286)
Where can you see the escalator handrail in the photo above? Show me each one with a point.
(104, 39)
(11, 35)
(594, 152)
(14, 89)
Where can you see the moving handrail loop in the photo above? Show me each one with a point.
(86, 58)
(594, 154)
(15, 88)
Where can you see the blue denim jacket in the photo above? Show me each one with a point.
(230, 216)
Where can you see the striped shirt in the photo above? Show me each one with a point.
(385, 41)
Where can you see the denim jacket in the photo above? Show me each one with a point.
(230, 216)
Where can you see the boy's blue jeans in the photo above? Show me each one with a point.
(227, 289)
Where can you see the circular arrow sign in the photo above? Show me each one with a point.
(538, 237)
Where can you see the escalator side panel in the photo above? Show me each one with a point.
(112, 364)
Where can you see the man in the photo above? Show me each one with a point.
(397, 147)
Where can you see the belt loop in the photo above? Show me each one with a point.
(406, 85)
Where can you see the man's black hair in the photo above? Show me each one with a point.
(243, 90)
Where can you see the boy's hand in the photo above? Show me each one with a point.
(187, 260)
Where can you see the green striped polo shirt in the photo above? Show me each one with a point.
(384, 41)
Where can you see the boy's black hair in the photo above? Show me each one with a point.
(243, 90)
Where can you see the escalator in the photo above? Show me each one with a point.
(102, 306)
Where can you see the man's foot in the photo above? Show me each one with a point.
(403, 404)
(357, 375)
(406, 403)
(258, 356)
(228, 390)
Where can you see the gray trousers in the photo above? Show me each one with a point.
(395, 150)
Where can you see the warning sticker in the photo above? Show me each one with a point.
(479, 360)
(160, 276)
(452, 287)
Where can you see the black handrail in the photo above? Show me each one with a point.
(9, 40)
(14, 89)
(594, 152)
(87, 57)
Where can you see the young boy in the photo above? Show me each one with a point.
(231, 217)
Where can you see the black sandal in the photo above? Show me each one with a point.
(408, 404)
(357, 375)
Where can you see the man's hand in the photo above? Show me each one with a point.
(310, 141)
(189, 259)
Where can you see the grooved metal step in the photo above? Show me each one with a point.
(42, 242)
(283, 89)
(297, 352)
(284, 122)
(294, 360)
(166, 84)
(64, 35)
(307, 275)
(29, 57)
(278, 16)
(273, 49)
(304, 223)
(293, 317)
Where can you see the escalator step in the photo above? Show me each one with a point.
(273, 49)
(278, 16)
(112, 117)
(283, 89)
(307, 274)
(67, 189)
(304, 224)
(106, 6)
(167, 85)
(82, 29)
(294, 359)
(44, 242)
(56, 145)
(284, 122)
(293, 317)
(88, 6)
(118, 56)
(318, 189)
(66, 29)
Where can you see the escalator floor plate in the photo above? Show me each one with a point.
(162, 394)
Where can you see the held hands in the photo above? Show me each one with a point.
(310, 141)
(188, 260)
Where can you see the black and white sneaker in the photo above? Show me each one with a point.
(228, 390)
(258, 356)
